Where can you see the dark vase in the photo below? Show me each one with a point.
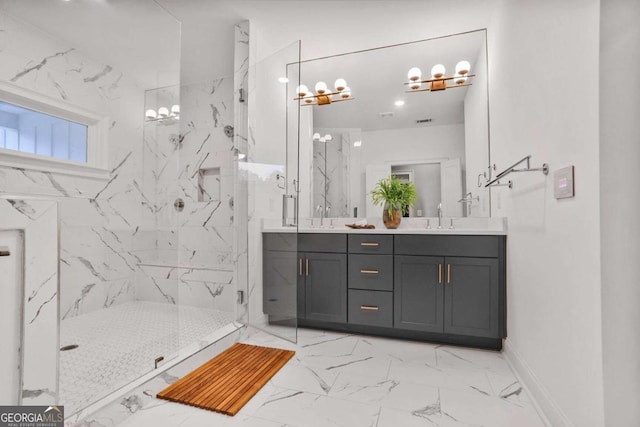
(391, 221)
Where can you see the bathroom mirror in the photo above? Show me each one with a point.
(437, 139)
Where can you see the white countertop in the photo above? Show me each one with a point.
(462, 226)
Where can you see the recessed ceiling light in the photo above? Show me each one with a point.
(283, 80)
(399, 103)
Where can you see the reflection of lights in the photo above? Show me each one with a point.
(283, 80)
(241, 156)
(399, 103)
(260, 171)
(357, 143)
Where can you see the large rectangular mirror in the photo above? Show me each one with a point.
(439, 139)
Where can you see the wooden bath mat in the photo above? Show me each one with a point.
(229, 380)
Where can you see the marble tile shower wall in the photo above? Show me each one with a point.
(187, 257)
(98, 218)
(331, 175)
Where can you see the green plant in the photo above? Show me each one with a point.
(395, 193)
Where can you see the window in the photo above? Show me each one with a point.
(45, 134)
(32, 132)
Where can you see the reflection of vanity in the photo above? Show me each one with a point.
(415, 284)
(441, 137)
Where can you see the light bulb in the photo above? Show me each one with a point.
(414, 74)
(415, 85)
(460, 79)
(463, 67)
(316, 136)
(175, 110)
(308, 98)
(150, 114)
(328, 137)
(302, 90)
(321, 87)
(340, 84)
(346, 93)
(437, 71)
(163, 112)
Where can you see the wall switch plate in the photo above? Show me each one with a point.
(563, 183)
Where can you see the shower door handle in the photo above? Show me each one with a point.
(4, 251)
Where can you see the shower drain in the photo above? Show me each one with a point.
(69, 347)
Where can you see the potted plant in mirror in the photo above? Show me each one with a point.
(396, 197)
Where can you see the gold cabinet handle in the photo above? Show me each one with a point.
(300, 267)
(369, 244)
(365, 271)
(307, 266)
(439, 273)
(448, 273)
(369, 307)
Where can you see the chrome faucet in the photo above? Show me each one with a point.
(439, 215)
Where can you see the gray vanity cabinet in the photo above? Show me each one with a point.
(322, 266)
(439, 288)
(472, 297)
(419, 294)
(461, 293)
(324, 281)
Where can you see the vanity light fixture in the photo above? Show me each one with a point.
(326, 138)
(164, 115)
(439, 80)
(322, 94)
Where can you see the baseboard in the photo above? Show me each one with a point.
(549, 411)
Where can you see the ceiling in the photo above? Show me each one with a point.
(376, 80)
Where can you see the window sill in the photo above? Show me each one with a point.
(15, 159)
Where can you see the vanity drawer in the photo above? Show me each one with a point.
(373, 308)
(370, 244)
(322, 242)
(371, 272)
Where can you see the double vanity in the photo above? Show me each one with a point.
(446, 286)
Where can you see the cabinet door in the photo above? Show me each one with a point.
(418, 293)
(280, 281)
(472, 300)
(325, 286)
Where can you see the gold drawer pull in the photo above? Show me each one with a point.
(369, 307)
(448, 273)
(369, 244)
(307, 267)
(439, 273)
(363, 271)
(300, 266)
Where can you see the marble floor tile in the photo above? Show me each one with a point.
(487, 410)
(397, 350)
(385, 393)
(427, 417)
(298, 376)
(470, 358)
(342, 380)
(456, 379)
(312, 410)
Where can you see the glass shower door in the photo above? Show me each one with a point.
(270, 173)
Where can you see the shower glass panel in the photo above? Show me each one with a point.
(270, 172)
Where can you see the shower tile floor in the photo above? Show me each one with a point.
(119, 344)
(344, 380)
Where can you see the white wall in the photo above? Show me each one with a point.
(620, 204)
(553, 258)
(400, 146)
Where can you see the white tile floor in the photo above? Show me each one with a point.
(119, 344)
(348, 380)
